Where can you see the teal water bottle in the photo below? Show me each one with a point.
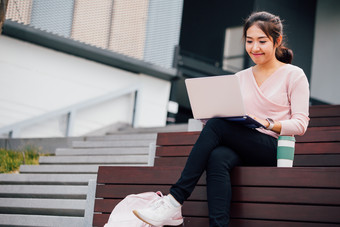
(285, 151)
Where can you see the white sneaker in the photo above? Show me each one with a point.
(160, 213)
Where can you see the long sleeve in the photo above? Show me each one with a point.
(299, 102)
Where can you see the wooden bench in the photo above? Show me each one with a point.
(306, 195)
(324, 115)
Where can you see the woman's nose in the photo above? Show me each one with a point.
(256, 46)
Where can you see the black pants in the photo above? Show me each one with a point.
(221, 146)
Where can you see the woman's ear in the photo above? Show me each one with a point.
(279, 41)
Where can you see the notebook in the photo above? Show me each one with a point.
(218, 97)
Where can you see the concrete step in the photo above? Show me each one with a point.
(68, 168)
(47, 179)
(119, 159)
(43, 191)
(132, 136)
(168, 128)
(60, 207)
(40, 220)
(121, 143)
(102, 151)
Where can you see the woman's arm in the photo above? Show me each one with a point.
(299, 102)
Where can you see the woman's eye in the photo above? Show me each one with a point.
(249, 41)
(263, 42)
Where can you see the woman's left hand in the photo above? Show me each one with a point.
(277, 125)
(263, 122)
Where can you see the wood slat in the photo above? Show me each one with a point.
(168, 151)
(299, 161)
(189, 138)
(300, 148)
(170, 161)
(105, 205)
(326, 160)
(326, 214)
(324, 111)
(138, 175)
(100, 219)
(324, 128)
(177, 138)
(322, 121)
(329, 135)
(287, 212)
(292, 195)
(317, 148)
(287, 177)
(265, 176)
(282, 212)
(121, 191)
(240, 194)
(265, 223)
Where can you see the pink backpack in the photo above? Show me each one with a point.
(122, 216)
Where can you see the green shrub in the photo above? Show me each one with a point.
(11, 160)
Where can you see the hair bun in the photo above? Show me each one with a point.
(284, 54)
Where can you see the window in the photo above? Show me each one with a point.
(233, 57)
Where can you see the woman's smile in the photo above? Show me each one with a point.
(257, 54)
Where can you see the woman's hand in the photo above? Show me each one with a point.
(263, 122)
(277, 125)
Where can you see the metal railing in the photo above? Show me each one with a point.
(13, 130)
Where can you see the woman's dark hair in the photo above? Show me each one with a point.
(271, 25)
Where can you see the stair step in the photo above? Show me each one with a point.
(102, 151)
(40, 220)
(43, 191)
(68, 168)
(132, 136)
(168, 128)
(123, 143)
(61, 207)
(47, 179)
(119, 159)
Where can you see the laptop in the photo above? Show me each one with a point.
(218, 97)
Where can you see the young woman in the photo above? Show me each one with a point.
(275, 93)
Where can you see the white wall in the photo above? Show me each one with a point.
(325, 80)
(35, 80)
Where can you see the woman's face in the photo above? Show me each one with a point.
(260, 48)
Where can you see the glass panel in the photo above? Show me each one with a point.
(233, 49)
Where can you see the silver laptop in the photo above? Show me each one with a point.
(218, 97)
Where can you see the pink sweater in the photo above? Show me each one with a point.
(284, 97)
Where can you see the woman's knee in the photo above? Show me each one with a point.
(220, 126)
(215, 122)
(223, 157)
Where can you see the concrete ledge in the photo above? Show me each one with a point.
(195, 125)
(49, 179)
(135, 136)
(123, 143)
(69, 168)
(168, 128)
(102, 151)
(45, 145)
(43, 191)
(61, 207)
(39, 220)
(91, 196)
(125, 159)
